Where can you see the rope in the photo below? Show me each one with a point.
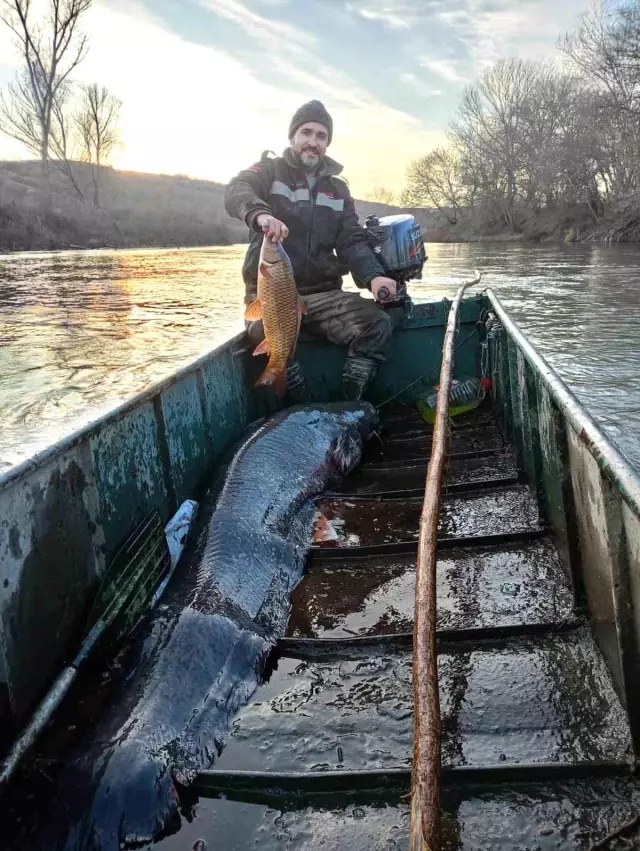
(427, 374)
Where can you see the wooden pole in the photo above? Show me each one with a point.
(425, 781)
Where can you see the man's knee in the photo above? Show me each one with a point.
(373, 334)
(385, 324)
(255, 331)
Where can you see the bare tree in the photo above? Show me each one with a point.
(435, 180)
(381, 195)
(605, 49)
(491, 131)
(97, 122)
(64, 140)
(605, 46)
(51, 50)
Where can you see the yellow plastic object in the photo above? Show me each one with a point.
(465, 396)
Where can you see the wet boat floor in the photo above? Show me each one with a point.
(535, 744)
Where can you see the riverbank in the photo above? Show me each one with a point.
(136, 211)
(576, 223)
(167, 211)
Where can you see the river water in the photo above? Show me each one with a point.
(82, 331)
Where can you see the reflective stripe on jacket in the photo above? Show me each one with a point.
(325, 238)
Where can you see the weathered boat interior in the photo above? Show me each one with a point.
(538, 605)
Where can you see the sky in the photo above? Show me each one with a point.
(207, 85)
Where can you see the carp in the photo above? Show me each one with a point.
(280, 308)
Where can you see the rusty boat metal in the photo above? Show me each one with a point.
(537, 619)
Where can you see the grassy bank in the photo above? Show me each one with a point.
(137, 210)
(564, 223)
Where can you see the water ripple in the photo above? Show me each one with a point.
(82, 331)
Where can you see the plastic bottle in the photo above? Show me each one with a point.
(465, 396)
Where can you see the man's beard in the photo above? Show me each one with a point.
(309, 165)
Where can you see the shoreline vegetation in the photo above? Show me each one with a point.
(163, 211)
(537, 151)
(137, 211)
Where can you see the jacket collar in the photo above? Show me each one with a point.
(328, 167)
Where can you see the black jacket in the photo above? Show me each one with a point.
(325, 239)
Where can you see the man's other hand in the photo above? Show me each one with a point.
(379, 283)
(272, 227)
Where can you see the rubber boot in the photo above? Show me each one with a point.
(356, 376)
(297, 393)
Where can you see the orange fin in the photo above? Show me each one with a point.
(253, 311)
(302, 308)
(322, 529)
(262, 348)
(276, 380)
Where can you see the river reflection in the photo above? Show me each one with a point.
(82, 331)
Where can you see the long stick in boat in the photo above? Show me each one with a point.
(425, 781)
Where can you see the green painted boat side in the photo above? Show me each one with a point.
(587, 492)
(66, 511)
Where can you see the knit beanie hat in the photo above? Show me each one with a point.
(312, 111)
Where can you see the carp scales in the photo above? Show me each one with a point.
(280, 308)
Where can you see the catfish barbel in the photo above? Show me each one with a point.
(201, 654)
(280, 308)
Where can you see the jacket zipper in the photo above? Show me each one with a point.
(313, 194)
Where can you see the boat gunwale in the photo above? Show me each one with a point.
(41, 457)
(609, 459)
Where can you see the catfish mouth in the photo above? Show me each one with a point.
(347, 452)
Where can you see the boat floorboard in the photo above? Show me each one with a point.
(546, 817)
(365, 523)
(522, 582)
(371, 480)
(475, 439)
(501, 702)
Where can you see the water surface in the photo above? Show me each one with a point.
(81, 331)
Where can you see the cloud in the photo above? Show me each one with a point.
(461, 37)
(384, 15)
(488, 30)
(196, 109)
(418, 85)
(445, 68)
(266, 30)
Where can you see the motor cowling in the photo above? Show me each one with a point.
(398, 245)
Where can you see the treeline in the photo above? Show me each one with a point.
(557, 143)
(57, 120)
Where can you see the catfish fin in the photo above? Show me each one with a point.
(322, 529)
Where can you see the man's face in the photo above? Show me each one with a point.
(310, 143)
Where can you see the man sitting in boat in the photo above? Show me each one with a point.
(299, 197)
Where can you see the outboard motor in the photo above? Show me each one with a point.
(398, 244)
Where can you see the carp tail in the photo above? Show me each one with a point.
(274, 378)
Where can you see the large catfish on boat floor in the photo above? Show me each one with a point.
(202, 652)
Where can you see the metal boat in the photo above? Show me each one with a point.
(538, 598)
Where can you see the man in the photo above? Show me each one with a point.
(300, 198)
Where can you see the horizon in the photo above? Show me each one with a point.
(333, 50)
